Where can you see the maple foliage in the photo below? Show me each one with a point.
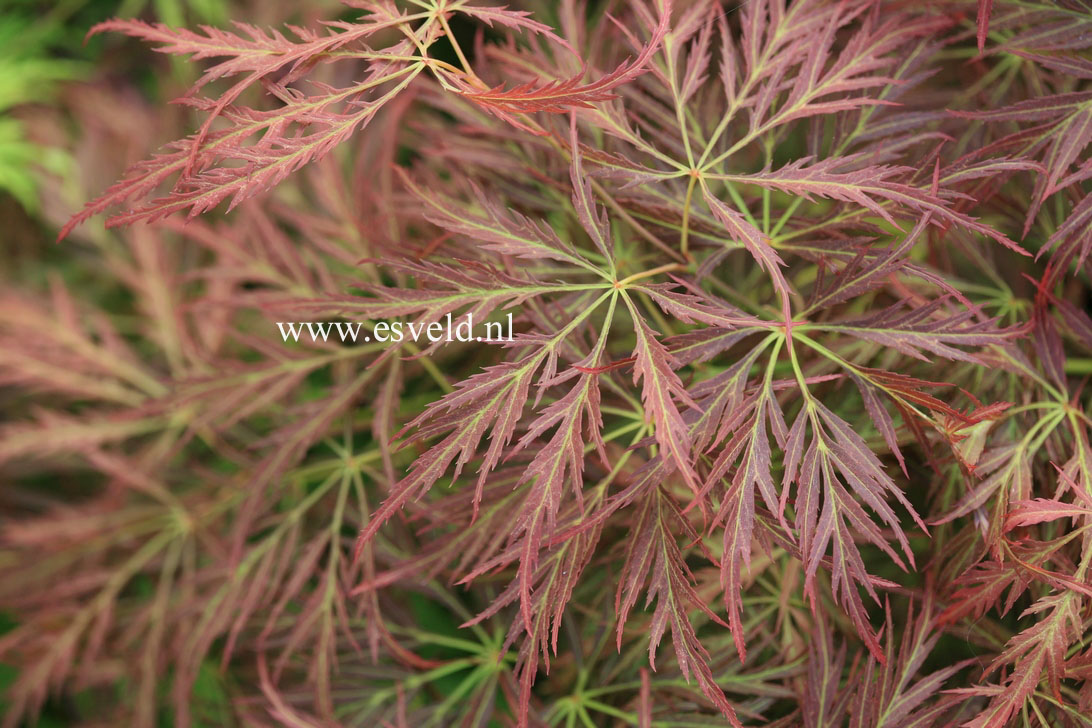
(794, 429)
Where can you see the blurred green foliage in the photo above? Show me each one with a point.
(42, 45)
(31, 66)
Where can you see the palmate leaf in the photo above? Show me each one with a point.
(306, 127)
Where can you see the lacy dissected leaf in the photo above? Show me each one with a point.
(832, 471)
(749, 416)
(845, 179)
(477, 289)
(985, 8)
(492, 400)
(559, 96)
(653, 556)
(864, 272)
(661, 389)
(519, 19)
(265, 164)
(503, 232)
(287, 139)
(1065, 129)
(932, 328)
(561, 459)
(1038, 648)
(789, 70)
(982, 588)
(1042, 510)
(1005, 469)
(694, 305)
(1074, 235)
(824, 700)
(554, 579)
(890, 695)
(1044, 26)
(592, 218)
(263, 52)
(564, 452)
(755, 242)
(305, 128)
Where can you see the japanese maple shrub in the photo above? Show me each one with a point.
(799, 377)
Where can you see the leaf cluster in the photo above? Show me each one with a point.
(798, 395)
